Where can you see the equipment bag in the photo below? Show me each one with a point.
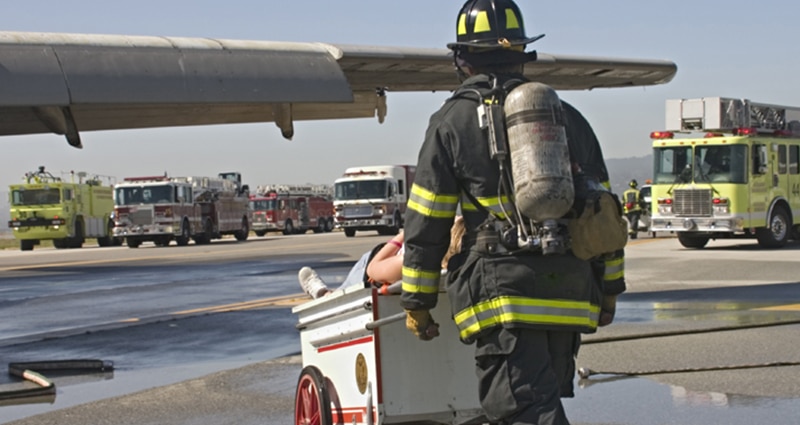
(598, 227)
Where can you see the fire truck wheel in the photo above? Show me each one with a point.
(320, 226)
(349, 232)
(205, 237)
(108, 239)
(133, 243)
(26, 245)
(60, 243)
(260, 233)
(77, 240)
(329, 225)
(776, 233)
(395, 228)
(312, 401)
(242, 234)
(690, 240)
(186, 234)
(288, 228)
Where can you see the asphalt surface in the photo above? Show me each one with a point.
(701, 337)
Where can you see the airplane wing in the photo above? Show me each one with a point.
(69, 83)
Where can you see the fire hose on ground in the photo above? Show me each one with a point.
(32, 371)
(585, 372)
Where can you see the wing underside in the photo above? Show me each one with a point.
(68, 83)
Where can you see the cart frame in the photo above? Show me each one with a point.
(362, 366)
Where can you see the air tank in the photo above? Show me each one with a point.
(539, 152)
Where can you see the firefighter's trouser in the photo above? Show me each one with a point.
(633, 218)
(522, 373)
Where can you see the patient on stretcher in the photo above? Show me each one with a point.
(382, 266)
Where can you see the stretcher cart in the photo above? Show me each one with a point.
(362, 366)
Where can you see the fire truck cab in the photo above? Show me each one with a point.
(727, 168)
(65, 211)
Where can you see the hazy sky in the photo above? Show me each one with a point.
(741, 49)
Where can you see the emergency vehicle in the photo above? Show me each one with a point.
(161, 209)
(373, 198)
(727, 168)
(291, 209)
(67, 212)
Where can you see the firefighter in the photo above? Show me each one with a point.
(506, 303)
(632, 208)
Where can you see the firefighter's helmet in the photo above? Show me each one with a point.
(633, 183)
(490, 24)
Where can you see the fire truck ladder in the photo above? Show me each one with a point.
(726, 114)
(285, 189)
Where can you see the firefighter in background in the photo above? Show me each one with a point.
(524, 349)
(632, 208)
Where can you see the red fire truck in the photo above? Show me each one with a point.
(291, 209)
(161, 209)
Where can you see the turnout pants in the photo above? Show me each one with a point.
(523, 373)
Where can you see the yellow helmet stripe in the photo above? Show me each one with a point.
(462, 24)
(482, 23)
(511, 20)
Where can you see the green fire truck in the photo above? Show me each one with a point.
(66, 211)
(727, 168)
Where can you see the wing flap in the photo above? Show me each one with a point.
(65, 83)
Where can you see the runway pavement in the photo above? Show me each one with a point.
(710, 336)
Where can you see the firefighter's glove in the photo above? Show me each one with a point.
(607, 310)
(421, 324)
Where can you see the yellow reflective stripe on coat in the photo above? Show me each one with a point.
(615, 269)
(420, 281)
(431, 204)
(521, 310)
(491, 203)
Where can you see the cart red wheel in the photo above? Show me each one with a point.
(312, 405)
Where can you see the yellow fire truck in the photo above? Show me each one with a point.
(727, 168)
(46, 207)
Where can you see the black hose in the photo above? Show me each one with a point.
(585, 372)
(46, 387)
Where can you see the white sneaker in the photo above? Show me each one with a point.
(311, 282)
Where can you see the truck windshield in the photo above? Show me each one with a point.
(262, 205)
(36, 197)
(365, 189)
(704, 164)
(133, 195)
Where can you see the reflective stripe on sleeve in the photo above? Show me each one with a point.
(431, 204)
(420, 281)
(615, 269)
(531, 311)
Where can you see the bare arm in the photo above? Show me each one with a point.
(386, 265)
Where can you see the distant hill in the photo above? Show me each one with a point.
(623, 170)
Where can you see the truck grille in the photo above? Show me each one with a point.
(692, 202)
(358, 211)
(141, 217)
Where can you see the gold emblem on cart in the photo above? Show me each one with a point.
(361, 373)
